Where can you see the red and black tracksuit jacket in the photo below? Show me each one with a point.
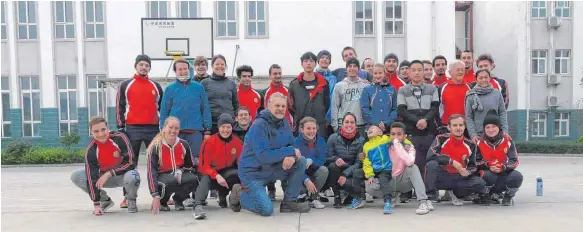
(503, 151)
(313, 102)
(469, 77)
(217, 153)
(167, 159)
(138, 102)
(114, 156)
(251, 99)
(439, 80)
(452, 100)
(395, 80)
(446, 148)
(278, 89)
(499, 84)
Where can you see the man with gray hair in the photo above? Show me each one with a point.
(269, 156)
(452, 94)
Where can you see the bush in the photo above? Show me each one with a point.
(550, 147)
(22, 152)
(70, 139)
(580, 140)
(15, 150)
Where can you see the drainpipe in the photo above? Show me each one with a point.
(433, 29)
(528, 68)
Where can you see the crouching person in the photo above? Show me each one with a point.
(109, 163)
(313, 147)
(452, 164)
(377, 163)
(498, 159)
(218, 165)
(269, 155)
(171, 168)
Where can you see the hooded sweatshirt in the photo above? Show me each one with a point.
(379, 104)
(218, 153)
(222, 95)
(188, 102)
(272, 142)
(475, 117)
(346, 98)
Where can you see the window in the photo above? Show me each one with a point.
(538, 125)
(539, 60)
(6, 132)
(562, 59)
(67, 104)
(561, 124)
(158, 9)
(394, 18)
(4, 35)
(188, 9)
(364, 18)
(226, 16)
(539, 9)
(63, 15)
(30, 90)
(257, 19)
(562, 9)
(96, 96)
(27, 27)
(94, 23)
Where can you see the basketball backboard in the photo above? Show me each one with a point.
(193, 36)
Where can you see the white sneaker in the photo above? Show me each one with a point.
(369, 198)
(423, 208)
(395, 199)
(189, 202)
(454, 200)
(429, 205)
(316, 204)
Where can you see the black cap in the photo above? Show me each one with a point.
(143, 57)
(225, 119)
(492, 118)
(391, 56)
(325, 53)
(354, 61)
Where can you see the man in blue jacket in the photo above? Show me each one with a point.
(269, 156)
(187, 100)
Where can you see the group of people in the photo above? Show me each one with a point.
(376, 130)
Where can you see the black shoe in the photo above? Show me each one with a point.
(485, 199)
(507, 200)
(294, 207)
(337, 202)
(223, 201)
(405, 197)
(179, 206)
(324, 199)
(347, 200)
(271, 195)
(433, 197)
(496, 199)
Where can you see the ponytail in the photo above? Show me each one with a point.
(159, 139)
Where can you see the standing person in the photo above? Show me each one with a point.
(440, 66)
(391, 73)
(138, 108)
(248, 97)
(309, 95)
(171, 168)
(324, 61)
(485, 61)
(313, 148)
(200, 69)
(218, 165)
(468, 59)
(427, 71)
(109, 163)
(269, 156)
(479, 101)
(379, 101)
(341, 73)
(451, 164)
(497, 158)
(367, 65)
(243, 120)
(404, 70)
(222, 92)
(452, 94)
(344, 167)
(418, 105)
(346, 97)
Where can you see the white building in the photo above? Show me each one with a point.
(53, 52)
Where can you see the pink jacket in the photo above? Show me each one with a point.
(401, 158)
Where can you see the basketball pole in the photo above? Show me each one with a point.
(176, 55)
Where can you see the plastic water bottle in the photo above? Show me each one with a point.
(539, 186)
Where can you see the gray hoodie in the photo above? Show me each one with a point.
(475, 117)
(346, 98)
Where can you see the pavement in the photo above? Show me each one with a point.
(44, 199)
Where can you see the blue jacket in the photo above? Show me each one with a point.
(317, 154)
(379, 104)
(189, 103)
(272, 141)
(340, 74)
(331, 83)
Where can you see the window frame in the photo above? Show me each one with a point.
(94, 23)
(27, 24)
(149, 9)
(364, 20)
(3, 24)
(69, 91)
(30, 91)
(538, 9)
(179, 9)
(539, 59)
(65, 23)
(227, 21)
(5, 121)
(102, 111)
(560, 120)
(562, 59)
(537, 120)
(402, 19)
(567, 6)
(256, 21)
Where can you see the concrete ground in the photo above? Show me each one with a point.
(44, 199)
